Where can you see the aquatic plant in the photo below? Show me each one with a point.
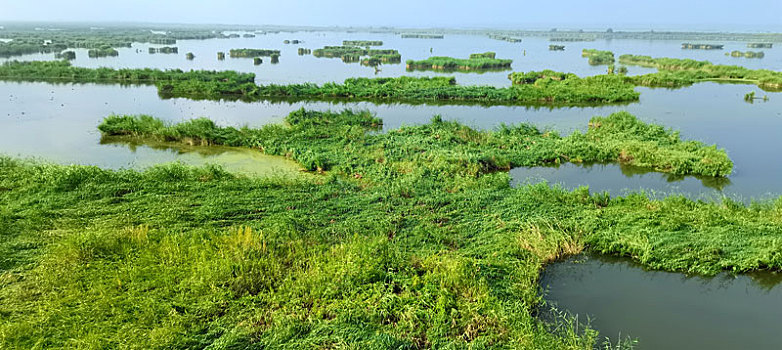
(250, 53)
(65, 55)
(190, 56)
(505, 38)
(702, 46)
(458, 64)
(598, 57)
(257, 61)
(674, 72)
(760, 45)
(748, 54)
(556, 47)
(422, 36)
(233, 85)
(164, 49)
(102, 52)
(221, 56)
(362, 43)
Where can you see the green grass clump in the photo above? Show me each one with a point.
(250, 53)
(412, 240)
(362, 43)
(618, 137)
(488, 54)
(474, 63)
(102, 52)
(598, 57)
(674, 72)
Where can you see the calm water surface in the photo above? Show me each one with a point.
(665, 310)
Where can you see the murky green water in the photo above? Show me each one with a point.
(665, 310)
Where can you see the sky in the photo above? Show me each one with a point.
(734, 15)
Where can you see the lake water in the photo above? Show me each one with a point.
(664, 310)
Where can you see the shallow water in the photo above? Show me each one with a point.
(668, 310)
(58, 122)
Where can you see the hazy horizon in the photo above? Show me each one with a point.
(750, 16)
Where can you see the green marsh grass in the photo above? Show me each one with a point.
(411, 239)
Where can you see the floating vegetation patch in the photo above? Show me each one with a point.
(505, 38)
(165, 50)
(598, 57)
(248, 35)
(232, 85)
(760, 45)
(190, 56)
(572, 39)
(274, 58)
(422, 36)
(294, 41)
(353, 54)
(250, 53)
(674, 72)
(303, 51)
(221, 56)
(65, 55)
(556, 47)
(689, 46)
(102, 52)
(362, 43)
(489, 54)
(257, 61)
(748, 54)
(474, 63)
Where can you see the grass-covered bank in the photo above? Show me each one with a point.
(411, 240)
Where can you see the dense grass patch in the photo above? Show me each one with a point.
(453, 147)
(676, 72)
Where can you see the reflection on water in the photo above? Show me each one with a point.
(668, 310)
(620, 179)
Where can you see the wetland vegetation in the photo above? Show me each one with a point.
(410, 239)
(250, 53)
(598, 57)
(674, 72)
(476, 63)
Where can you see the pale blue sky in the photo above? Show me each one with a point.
(744, 15)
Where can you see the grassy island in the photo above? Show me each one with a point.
(509, 39)
(476, 62)
(233, 85)
(164, 49)
(690, 46)
(674, 72)
(250, 53)
(598, 57)
(747, 54)
(102, 52)
(422, 36)
(363, 43)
